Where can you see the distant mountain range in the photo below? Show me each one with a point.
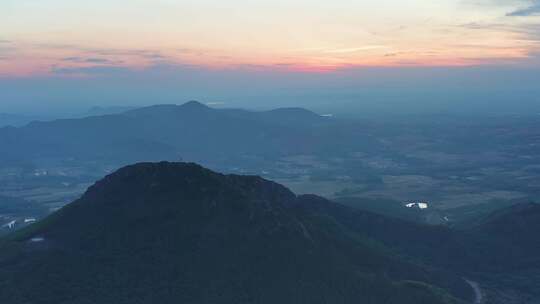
(19, 120)
(176, 232)
(169, 132)
(99, 111)
(14, 120)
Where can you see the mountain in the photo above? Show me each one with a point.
(516, 229)
(168, 132)
(513, 230)
(99, 111)
(513, 234)
(14, 120)
(291, 116)
(514, 224)
(179, 233)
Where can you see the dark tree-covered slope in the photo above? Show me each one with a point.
(179, 233)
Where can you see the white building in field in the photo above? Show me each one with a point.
(419, 205)
(11, 224)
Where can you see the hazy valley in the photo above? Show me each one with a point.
(423, 198)
(460, 174)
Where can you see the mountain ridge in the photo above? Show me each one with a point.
(166, 132)
(185, 233)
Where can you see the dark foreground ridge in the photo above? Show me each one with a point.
(179, 233)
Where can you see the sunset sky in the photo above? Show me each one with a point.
(73, 39)
(44, 36)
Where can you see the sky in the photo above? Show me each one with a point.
(52, 50)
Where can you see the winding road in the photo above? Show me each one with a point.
(478, 295)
